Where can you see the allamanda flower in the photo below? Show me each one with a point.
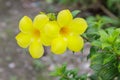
(69, 32)
(31, 34)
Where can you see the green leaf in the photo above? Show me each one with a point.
(108, 71)
(105, 44)
(83, 77)
(63, 1)
(96, 43)
(72, 73)
(75, 12)
(111, 39)
(49, 1)
(107, 21)
(113, 35)
(116, 33)
(51, 16)
(54, 74)
(110, 30)
(63, 79)
(103, 36)
(38, 65)
(118, 52)
(104, 68)
(96, 61)
(59, 70)
(93, 51)
(119, 66)
(109, 58)
(117, 40)
(94, 77)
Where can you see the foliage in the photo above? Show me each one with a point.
(104, 35)
(114, 6)
(96, 23)
(64, 74)
(66, 2)
(105, 65)
(38, 65)
(12, 77)
(75, 13)
(111, 5)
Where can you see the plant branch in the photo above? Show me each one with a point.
(106, 11)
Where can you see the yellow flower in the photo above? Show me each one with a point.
(51, 31)
(69, 33)
(31, 34)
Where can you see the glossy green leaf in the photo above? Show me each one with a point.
(109, 58)
(119, 66)
(93, 51)
(105, 44)
(75, 12)
(103, 36)
(96, 43)
(104, 68)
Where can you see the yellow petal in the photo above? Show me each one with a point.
(75, 43)
(78, 26)
(25, 24)
(51, 29)
(40, 20)
(23, 40)
(36, 49)
(46, 40)
(64, 18)
(58, 45)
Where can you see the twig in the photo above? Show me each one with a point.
(106, 11)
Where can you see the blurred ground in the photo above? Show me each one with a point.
(15, 62)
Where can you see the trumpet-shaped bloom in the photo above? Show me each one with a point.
(31, 34)
(50, 30)
(69, 33)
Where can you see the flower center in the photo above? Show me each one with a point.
(36, 33)
(64, 31)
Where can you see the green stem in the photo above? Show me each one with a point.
(65, 77)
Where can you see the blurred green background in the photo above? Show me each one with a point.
(17, 64)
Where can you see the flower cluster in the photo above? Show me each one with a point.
(60, 34)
